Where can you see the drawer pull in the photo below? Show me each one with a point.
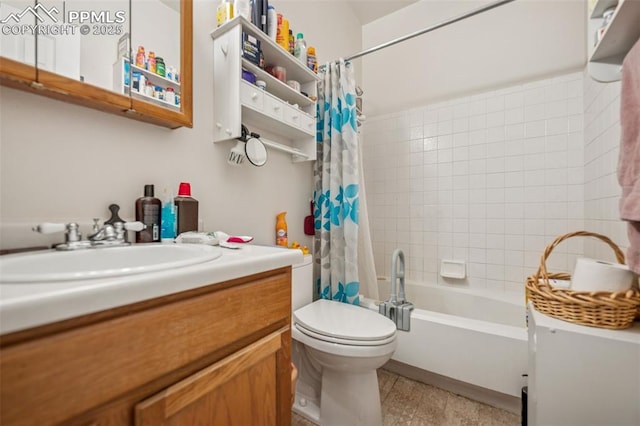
(276, 107)
(254, 96)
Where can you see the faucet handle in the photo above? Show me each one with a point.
(50, 228)
(134, 226)
(71, 230)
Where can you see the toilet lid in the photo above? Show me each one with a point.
(343, 321)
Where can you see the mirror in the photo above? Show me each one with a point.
(81, 37)
(256, 152)
(155, 68)
(83, 56)
(17, 48)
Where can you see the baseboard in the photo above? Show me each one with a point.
(486, 396)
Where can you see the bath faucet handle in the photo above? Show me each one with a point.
(71, 230)
(49, 228)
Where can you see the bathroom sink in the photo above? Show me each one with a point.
(52, 266)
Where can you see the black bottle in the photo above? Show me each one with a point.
(148, 212)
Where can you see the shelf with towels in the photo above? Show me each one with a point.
(623, 31)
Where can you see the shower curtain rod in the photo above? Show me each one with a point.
(431, 28)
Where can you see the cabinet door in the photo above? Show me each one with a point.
(238, 390)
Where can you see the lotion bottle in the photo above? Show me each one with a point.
(300, 49)
(148, 212)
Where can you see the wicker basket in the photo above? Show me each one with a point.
(601, 309)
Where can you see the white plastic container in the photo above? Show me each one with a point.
(300, 50)
(243, 8)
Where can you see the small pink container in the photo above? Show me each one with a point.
(280, 73)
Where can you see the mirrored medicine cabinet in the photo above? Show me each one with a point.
(127, 57)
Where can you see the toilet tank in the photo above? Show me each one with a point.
(302, 283)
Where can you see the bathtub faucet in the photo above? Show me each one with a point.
(397, 308)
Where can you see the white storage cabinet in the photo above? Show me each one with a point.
(279, 110)
(582, 375)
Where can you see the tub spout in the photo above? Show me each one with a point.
(397, 308)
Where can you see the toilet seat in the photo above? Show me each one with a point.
(344, 324)
(340, 341)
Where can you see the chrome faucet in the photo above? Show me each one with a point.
(105, 236)
(397, 308)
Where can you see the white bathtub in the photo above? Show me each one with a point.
(465, 335)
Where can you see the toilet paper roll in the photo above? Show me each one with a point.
(598, 275)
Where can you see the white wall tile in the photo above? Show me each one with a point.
(494, 177)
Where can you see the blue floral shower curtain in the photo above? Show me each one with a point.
(336, 193)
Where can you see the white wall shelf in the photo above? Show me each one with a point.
(605, 57)
(120, 86)
(279, 110)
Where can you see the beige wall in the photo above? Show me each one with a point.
(517, 42)
(61, 162)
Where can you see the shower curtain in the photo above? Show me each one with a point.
(337, 186)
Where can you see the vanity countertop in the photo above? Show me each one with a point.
(23, 306)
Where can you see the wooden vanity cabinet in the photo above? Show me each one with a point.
(215, 355)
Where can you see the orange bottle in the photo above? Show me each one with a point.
(281, 230)
(140, 57)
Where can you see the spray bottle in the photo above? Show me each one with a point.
(281, 230)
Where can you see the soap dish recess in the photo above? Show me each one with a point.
(453, 269)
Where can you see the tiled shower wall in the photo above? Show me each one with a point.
(602, 143)
(488, 179)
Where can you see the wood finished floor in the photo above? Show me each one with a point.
(407, 402)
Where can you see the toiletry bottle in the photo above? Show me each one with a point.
(301, 49)
(264, 17)
(282, 35)
(187, 209)
(281, 230)
(167, 218)
(292, 41)
(148, 212)
(141, 59)
(272, 19)
(312, 61)
(242, 8)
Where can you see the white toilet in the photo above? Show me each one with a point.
(337, 348)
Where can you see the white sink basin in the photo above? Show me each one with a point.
(52, 266)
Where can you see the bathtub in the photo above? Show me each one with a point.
(465, 335)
